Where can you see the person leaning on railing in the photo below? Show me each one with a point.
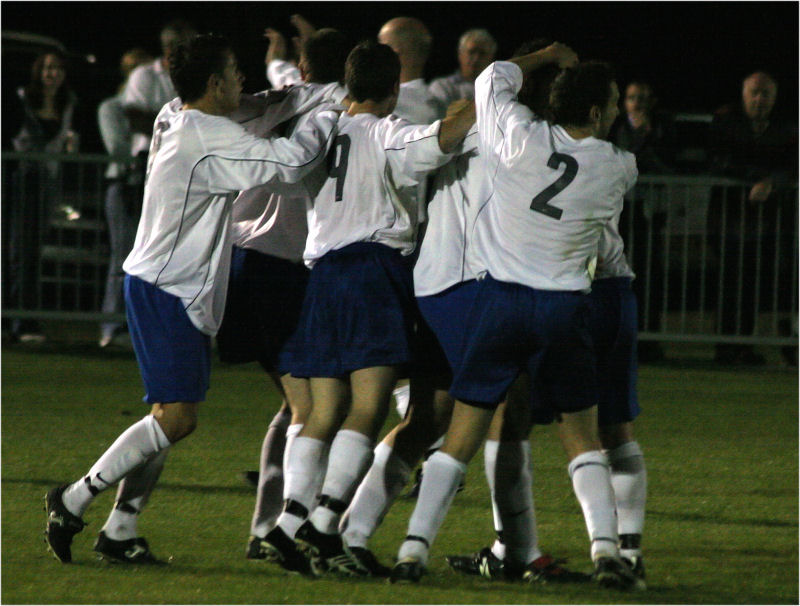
(47, 108)
(750, 143)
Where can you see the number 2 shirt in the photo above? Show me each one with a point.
(550, 195)
(369, 193)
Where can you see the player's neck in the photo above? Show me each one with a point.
(579, 132)
(205, 105)
(377, 108)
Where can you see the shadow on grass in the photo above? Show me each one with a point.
(162, 486)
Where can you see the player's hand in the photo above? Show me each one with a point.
(563, 55)
(303, 26)
(457, 105)
(277, 45)
(760, 191)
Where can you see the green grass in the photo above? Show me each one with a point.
(722, 527)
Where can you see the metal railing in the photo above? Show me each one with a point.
(710, 265)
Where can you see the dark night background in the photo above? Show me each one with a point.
(695, 54)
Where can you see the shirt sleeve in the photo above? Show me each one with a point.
(138, 89)
(501, 119)
(282, 73)
(412, 150)
(114, 129)
(245, 161)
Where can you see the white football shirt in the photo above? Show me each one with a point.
(611, 261)
(281, 73)
(369, 192)
(551, 195)
(271, 219)
(457, 192)
(197, 165)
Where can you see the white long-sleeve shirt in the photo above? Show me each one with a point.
(551, 195)
(369, 193)
(197, 165)
(457, 191)
(271, 219)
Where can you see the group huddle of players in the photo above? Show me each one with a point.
(315, 230)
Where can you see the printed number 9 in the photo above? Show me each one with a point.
(337, 163)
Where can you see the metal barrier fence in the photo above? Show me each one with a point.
(710, 265)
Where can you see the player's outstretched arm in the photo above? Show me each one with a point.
(455, 127)
(557, 53)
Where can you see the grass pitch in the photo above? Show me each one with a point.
(721, 449)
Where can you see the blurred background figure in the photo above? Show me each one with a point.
(476, 50)
(649, 135)
(147, 90)
(121, 203)
(47, 109)
(283, 70)
(748, 142)
(411, 40)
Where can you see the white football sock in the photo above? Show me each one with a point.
(402, 398)
(490, 448)
(513, 499)
(269, 495)
(300, 475)
(440, 483)
(591, 480)
(348, 460)
(374, 496)
(132, 448)
(132, 495)
(629, 479)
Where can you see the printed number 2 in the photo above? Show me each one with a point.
(337, 163)
(541, 202)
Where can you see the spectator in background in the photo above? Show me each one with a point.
(121, 205)
(48, 106)
(749, 143)
(411, 40)
(476, 50)
(149, 87)
(649, 135)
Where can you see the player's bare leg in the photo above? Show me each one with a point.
(629, 479)
(349, 458)
(395, 457)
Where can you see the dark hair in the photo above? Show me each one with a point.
(576, 90)
(34, 90)
(325, 52)
(371, 71)
(194, 61)
(535, 91)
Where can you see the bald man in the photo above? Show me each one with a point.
(750, 144)
(411, 40)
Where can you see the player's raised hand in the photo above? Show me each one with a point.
(277, 45)
(563, 55)
(303, 26)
